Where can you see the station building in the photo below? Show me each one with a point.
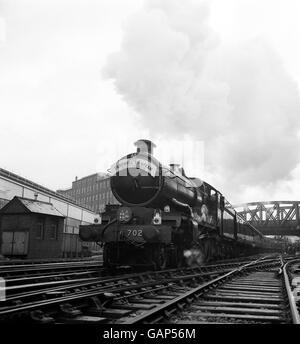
(92, 191)
(72, 213)
(27, 223)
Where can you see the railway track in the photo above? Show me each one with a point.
(292, 277)
(30, 277)
(259, 292)
(24, 262)
(47, 270)
(22, 279)
(124, 298)
(30, 270)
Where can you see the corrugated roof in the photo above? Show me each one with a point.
(40, 207)
(3, 202)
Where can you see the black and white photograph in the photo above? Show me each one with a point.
(149, 167)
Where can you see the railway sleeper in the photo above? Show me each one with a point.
(83, 319)
(242, 298)
(241, 304)
(69, 310)
(258, 318)
(40, 317)
(236, 310)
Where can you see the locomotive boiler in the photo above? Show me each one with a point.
(141, 180)
(166, 219)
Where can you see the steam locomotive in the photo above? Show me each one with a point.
(166, 219)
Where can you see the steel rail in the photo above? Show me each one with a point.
(196, 291)
(19, 280)
(101, 290)
(292, 303)
(35, 272)
(94, 292)
(215, 269)
(36, 261)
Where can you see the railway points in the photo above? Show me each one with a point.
(255, 291)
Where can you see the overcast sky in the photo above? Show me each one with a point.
(68, 105)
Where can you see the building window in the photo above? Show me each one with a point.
(40, 231)
(53, 232)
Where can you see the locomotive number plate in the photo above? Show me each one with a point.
(134, 232)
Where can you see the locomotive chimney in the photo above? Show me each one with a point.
(145, 146)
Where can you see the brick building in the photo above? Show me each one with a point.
(92, 191)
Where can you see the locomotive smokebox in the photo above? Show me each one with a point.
(141, 180)
(145, 146)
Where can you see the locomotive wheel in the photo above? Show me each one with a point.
(173, 257)
(181, 262)
(106, 257)
(208, 250)
(160, 259)
(203, 253)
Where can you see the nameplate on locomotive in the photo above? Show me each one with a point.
(126, 166)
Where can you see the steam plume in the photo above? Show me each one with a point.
(174, 72)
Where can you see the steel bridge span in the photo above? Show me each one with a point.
(272, 218)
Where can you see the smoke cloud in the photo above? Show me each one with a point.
(173, 70)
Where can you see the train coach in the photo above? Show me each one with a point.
(166, 219)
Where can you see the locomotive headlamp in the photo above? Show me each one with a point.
(167, 209)
(156, 218)
(124, 214)
(98, 219)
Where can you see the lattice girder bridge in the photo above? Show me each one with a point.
(272, 218)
